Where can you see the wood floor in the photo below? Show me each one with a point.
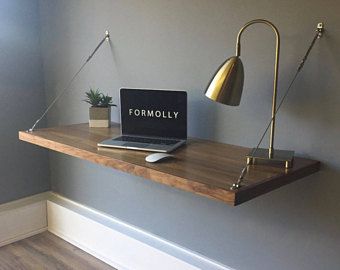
(47, 251)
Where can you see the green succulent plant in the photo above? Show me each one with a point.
(98, 99)
(93, 97)
(106, 101)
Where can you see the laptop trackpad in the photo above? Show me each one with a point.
(133, 144)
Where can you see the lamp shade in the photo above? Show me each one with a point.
(227, 84)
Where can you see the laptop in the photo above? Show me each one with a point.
(151, 120)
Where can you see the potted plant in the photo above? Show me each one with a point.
(100, 110)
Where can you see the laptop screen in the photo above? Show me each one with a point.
(157, 113)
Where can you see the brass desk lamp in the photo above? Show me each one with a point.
(226, 87)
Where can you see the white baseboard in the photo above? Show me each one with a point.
(22, 218)
(111, 240)
(112, 247)
(118, 243)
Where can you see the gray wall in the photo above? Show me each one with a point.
(23, 167)
(178, 44)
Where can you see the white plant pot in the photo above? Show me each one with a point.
(100, 116)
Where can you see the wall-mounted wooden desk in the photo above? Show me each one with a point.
(203, 167)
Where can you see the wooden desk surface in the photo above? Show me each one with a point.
(203, 167)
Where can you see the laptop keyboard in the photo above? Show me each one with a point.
(146, 140)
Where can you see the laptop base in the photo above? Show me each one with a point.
(164, 148)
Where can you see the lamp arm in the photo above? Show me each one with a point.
(276, 72)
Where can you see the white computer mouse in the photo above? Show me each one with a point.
(157, 157)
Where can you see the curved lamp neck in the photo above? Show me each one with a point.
(277, 34)
(276, 70)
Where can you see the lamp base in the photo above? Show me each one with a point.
(262, 154)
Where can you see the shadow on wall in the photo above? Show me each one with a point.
(116, 61)
(201, 117)
(315, 104)
(290, 218)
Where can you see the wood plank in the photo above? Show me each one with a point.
(47, 251)
(204, 167)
